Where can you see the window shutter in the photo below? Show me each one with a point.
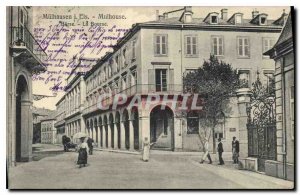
(151, 80)
(171, 86)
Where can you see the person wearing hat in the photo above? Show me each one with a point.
(235, 150)
(206, 152)
(83, 151)
(220, 151)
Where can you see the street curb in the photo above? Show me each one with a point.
(118, 151)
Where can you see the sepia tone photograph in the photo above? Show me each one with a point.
(152, 97)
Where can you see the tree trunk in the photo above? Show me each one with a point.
(214, 140)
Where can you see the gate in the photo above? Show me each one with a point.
(261, 125)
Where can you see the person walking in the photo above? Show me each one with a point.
(206, 152)
(220, 151)
(146, 149)
(90, 142)
(82, 153)
(235, 150)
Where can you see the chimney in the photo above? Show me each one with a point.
(166, 15)
(224, 14)
(255, 13)
(157, 15)
(188, 8)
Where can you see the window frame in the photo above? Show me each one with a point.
(192, 54)
(243, 38)
(240, 71)
(218, 45)
(161, 80)
(160, 54)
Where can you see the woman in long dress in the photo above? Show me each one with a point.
(83, 151)
(146, 150)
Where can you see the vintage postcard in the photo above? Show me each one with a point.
(183, 97)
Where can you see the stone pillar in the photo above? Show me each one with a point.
(116, 136)
(122, 131)
(26, 132)
(177, 134)
(99, 136)
(94, 133)
(131, 135)
(243, 99)
(109, 136)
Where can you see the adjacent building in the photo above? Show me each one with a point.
(60, 119)
(283, 54)
(153, 57)
(24, 58)
(48, 131)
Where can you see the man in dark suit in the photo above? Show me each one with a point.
(220, 151)
(235, 150)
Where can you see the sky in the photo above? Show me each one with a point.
(132, 14)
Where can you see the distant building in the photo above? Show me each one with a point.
(283, 54)
(24, 57)
(48, 131)
(60, 119)
(38, 114)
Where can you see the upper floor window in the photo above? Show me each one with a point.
(238, 19)
(191, 45)
(268, 79)
(124, 58)
(214, 19)
(268, 43)
(161, 79)
(243, 47)
(133, 49)
(160, 45)
(217, 46)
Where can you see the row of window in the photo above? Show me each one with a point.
(120, 61)
(217, 45)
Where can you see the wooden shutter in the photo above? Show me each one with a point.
(170, 83)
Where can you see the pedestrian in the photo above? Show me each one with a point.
(206, 152)
(90, 142)
(83, 150)
(146, 149)
(235, 150)
(220, 151)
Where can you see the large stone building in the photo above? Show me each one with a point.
(24, 58)
(153, 57)
(38, 114)
(283, 54)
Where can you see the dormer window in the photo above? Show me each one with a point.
(214, 20)
(263, 20)
(238, 19)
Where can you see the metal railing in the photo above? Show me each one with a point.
(21, 36)
(142, 89)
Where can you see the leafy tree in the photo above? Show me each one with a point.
(215, 82)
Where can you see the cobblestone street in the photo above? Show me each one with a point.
(109, 170)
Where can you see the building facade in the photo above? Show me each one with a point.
(60, 119)
(283, 54)
(24, 58)
(152, 58)
(48, 131)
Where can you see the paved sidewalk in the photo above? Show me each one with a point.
(110, 170)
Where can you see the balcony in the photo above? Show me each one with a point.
(27, 50)
(140, 89)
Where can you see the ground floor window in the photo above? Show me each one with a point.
(192, 123)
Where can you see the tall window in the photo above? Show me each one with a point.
(244, 77)
(268, 43)
(192, 123)
(217, 46)
(161, 79)
(133, 49)
(243, 47)
(160, 47)
(292, 111)
(268, 79)
(191, 45)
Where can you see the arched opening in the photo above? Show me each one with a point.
(126, 127)
(135, 123)
(112, 129)
(23, 103)
(106, 131)
(101, 131)
(91, 129)
(162, 128)
(118, 129)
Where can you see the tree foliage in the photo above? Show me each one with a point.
(215, 82)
